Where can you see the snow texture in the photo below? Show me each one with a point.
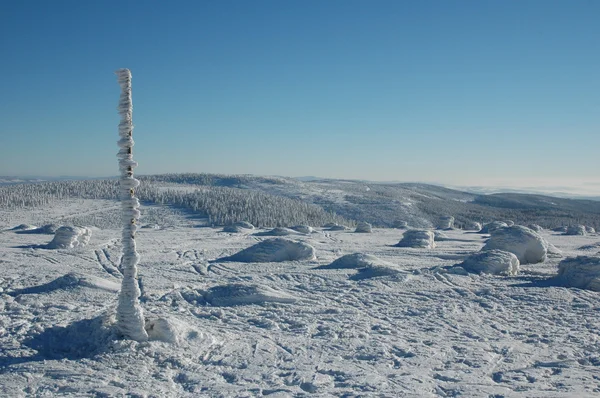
(445, 222)
(130, 317)
(492, 226)
(576, 230)
(527, 245)
(245, 294)
(70, 237)
(581, 272)
(419, 238)
(496, 262)
(274, 250)
(364, 227)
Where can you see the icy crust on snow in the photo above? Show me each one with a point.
(528, 246)
(496, 262)
(244, 294)
(274, 250)
(419, 238)
(492, 226)
(582, 272)
(364, 227)
(70, 237)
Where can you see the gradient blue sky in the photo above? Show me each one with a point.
(455, 92)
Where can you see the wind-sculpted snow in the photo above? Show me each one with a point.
(582, 272)
(245, 294)
(492, 226)
(535, 228)
(496, 262)
(367, 265)
(576, 230)
(70, 281)
(274, 250)
(472, 226)
(303, 229)
(445, 222)
(527, 245)
(70, 237)
(400, 224)
(279, 231)
(364, 227)
(418, 238)
(439, 236)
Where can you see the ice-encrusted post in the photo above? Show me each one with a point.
(130, 317)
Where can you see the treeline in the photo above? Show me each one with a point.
(221, 205)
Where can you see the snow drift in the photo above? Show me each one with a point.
(303, 229)
(582, 272)
(279, 231)
(496, 262)
(274, 250)
(70, 238)
(527, 245)
(417, 238)
(368, 266)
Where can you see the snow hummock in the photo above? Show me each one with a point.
(527, 245)
(67, 237)
(364, 227)
(472, 226)
(417, 238)
(446, 222)
(368, 266)
(338, 227)
(510, 223)
(497, 262)
(244, 224)
(303, 229)
(278, 231)
(582, 272)
(274, 250)
(70, 281)
(439, 236)
(240, 226)
(576, 230)
(492, 226)
(400, 224)
(23, 227)
(48, 229)
(244, 294)
(590, 230)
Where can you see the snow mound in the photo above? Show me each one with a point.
(446, 222)
(590, 230)
(233, 229)
(364, 227)
(303, 229)
(417, 238)
(510, 223)
(173, 331)
(355, 261)
(400, 224)
(496, 262)
(527, 245)
(279, 231)
(535, 228)
(23, 227)
(439, 236)
(562, 229)
(582, 272)
(274, 250)
(70, 281)
(338, 227)
(492, 226)
(472, 226)
(70, 237)
(243, 294)
(576, 230)
(244, 224)
(376, 271)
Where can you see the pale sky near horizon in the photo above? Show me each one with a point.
(453, 92)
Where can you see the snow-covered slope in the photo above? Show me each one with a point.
(292, 328)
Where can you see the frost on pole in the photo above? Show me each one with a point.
(130, 317)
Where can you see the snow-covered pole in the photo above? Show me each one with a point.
(130, 317)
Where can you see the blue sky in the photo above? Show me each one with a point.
(456, 92)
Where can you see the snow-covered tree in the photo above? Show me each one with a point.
(130, 317)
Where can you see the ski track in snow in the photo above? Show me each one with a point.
(434, 334)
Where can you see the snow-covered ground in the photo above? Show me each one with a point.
(230, 329)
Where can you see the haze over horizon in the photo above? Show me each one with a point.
(456, 93)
